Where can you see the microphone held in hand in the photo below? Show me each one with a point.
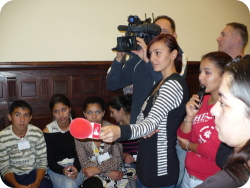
(201, 93)
(81, 128)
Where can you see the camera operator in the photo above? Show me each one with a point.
(137, 70)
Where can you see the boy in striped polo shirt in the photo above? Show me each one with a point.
(23, 157)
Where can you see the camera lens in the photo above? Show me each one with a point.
(128, 43)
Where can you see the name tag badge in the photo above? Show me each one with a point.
(23, 145)
(103, 157)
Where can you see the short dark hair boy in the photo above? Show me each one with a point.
(23, 155)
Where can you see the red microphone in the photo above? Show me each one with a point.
(81, 128)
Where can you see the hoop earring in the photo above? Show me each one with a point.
(53, 119)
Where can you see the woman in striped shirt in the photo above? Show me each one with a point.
(164, 109)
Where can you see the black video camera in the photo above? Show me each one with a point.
(136, 28)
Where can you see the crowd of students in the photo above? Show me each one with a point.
(173, 141)
(54, 158)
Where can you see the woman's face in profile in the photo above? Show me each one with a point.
(117, 115)
(230, 117)
(160, 56)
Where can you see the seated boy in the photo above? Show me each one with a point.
(23, 157)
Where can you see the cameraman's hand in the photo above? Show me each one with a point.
(119, 56)
(142, 53)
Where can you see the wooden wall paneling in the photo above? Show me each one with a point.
(1, 90)
(3, 103)
(36, 82)
(41, 116)
(192, 77)
(60, 85)
(77, 111)
(44, 88)
(104, 90)
(4, 121)
(77, 96)
(11, 92)
(3, 93)
(91, 85)
(28, 88)
(76, 87)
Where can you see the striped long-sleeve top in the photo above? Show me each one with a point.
(22, 161)
(164, 110)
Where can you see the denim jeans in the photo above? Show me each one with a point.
(61, 181)
(132, 184)
(181, 156)
(189, 182)
(142, 186)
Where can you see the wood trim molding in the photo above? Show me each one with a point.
(36, 82)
